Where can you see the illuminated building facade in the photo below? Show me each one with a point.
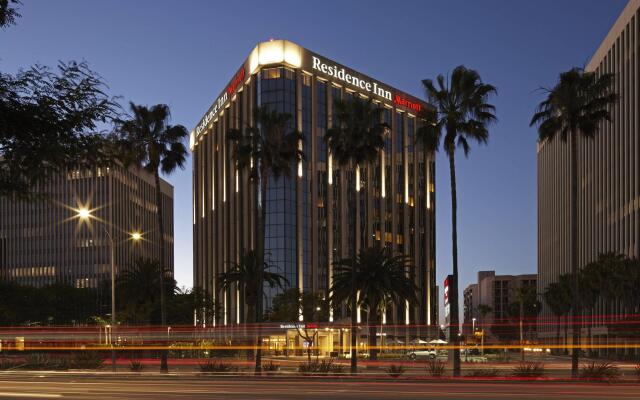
(46, 241)
(608, 177)
(308, 220)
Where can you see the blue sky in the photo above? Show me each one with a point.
(183, 53)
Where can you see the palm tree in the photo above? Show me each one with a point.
(245, 274)
(462, 114)
(269, 149)
(574, 107)
(527, 307)
(250, 277)
(355, 141)
(150, 142)
(380, 278)
(138, 290)
(558, 298)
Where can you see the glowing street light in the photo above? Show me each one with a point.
(136, 236)
(84, 213)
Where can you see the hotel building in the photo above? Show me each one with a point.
(308, 219)
(608, 176)
(45, 241)
(495, 291)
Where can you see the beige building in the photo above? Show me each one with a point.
(609, 175)
(307, 226)
(44, 241)
(494, 291)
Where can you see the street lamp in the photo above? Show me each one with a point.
(84, 214)
(473, 325)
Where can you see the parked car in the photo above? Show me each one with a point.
(431, 354)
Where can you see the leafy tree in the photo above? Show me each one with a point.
(150, 142)
(8, 12)
(289, 305)
(183, 303)
(462, 114)
(573, 109)
(380, 278)
(558, 297)
(138, 294)
(268, 149)
(355, 141)
(48, 122)
(57, 304)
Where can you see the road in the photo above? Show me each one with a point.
(54, 386)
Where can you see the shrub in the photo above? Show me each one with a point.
(528, 370)
(213, 366)
(270, 367)
(435, 368)
(395, 370)
(600, 372)
(136, 366)
(7, 363)
(87, 360)
(322, 367)
(483, 373)
(45, 362)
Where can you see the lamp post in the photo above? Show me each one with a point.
(84, 214)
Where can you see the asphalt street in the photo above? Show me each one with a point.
(60, 386)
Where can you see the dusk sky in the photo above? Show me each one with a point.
(183, 53)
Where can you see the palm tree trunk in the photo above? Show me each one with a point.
(260, 229)
(164, 367)
(575, 306)
(566, 327)
(453, 296)
(558, 334)
(374, 321)
(354, 309)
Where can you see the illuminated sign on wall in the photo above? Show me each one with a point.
(446, 291)
(402, 101)
(221, 101)
(359, 82)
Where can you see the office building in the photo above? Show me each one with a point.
(307, 226)
(64, 237)
(608, 177)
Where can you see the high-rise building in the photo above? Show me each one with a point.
(64, 237)
(608, 175)
(497, 292)
(308, 218)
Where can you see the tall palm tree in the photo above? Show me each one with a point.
(150, 142)
(462, 114)
(380, 277)
(268, 149)
(355, 141)
(138, 290)
(558, 299)
(574, 108)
